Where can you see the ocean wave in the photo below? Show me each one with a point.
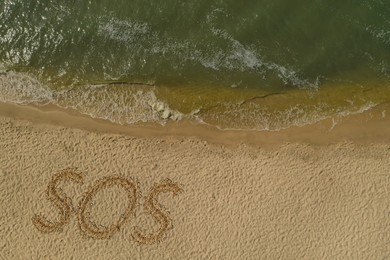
(380, 33)
(299, 115)
(146, 45)
(261, 45)
(122, 30)
(243, 58)
(275, 116)
(131, 104)
(23, 88)
(122, 104)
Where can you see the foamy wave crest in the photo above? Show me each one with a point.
(243, 58)
(129, 104)
(379, 33)
(280, 113)
(23, 88)
(122, 30)
(123, 104)
(235, 56)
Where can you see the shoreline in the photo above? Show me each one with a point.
(368, 127)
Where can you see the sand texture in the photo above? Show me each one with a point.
(67, 193)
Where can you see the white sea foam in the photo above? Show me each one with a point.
(123, 30)
(140, 37)
(261, 118)
(379, 33)
(244, 58)
(120, 104)
(23, 88)
(3, 68)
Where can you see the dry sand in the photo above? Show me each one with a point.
(232, 200)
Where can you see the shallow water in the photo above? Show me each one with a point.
(262, 65)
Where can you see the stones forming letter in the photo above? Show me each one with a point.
(90, 228)
(157, 211)
(60, 200)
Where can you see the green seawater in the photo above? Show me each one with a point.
(262, 64)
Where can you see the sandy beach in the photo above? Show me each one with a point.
(73, 187)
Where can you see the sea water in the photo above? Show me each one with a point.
(264, 64)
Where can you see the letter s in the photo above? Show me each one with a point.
(61, 201)
(152, 206)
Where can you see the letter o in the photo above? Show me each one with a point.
(102, 232)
